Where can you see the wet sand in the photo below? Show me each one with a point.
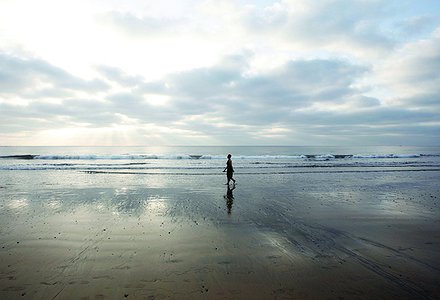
(299, 236)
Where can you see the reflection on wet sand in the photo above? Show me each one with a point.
(229, 197)
(18, 204)
(287, 235)
(123, 201)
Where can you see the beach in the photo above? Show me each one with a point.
(301, 232)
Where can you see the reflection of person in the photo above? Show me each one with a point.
(229, 198)
(229, 170)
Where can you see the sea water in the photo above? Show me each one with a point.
(197, 160)
(29, 169)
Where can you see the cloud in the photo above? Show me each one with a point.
(417, 25)
(411, 73)
(287, 72)
(259, 97)
(133, 25)
(324, 24)
(118, 76)
(227, 102)
(37, 78)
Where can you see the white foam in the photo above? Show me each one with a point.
(221, 157)
(324, 157)
(387, 156)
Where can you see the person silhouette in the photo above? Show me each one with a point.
(229, 197)
(229, 170)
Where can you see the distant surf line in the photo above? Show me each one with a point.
(317, 157)
(131, 167)
(262, 173)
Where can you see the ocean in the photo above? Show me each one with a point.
(197, 160)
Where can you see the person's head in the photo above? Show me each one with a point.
(229, 155)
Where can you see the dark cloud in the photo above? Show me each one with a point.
(209, 82)
(430, 101)
(360, 101)
(44, 115)
(299, 83)
(249, 99)
(378, 116)
(275, 99)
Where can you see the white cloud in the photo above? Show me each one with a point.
(411, 73)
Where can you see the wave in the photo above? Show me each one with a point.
(267, 173)
(243, 166)
(105, 157)
(393, 155)
(318, 157)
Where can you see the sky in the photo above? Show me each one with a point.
(219, 72)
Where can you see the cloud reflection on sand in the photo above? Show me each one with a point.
(156, 205)
(18, 204)
(54, 204)
(120, 201)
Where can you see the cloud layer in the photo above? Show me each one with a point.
(287, 72)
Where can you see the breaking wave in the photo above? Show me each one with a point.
(208, 156)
